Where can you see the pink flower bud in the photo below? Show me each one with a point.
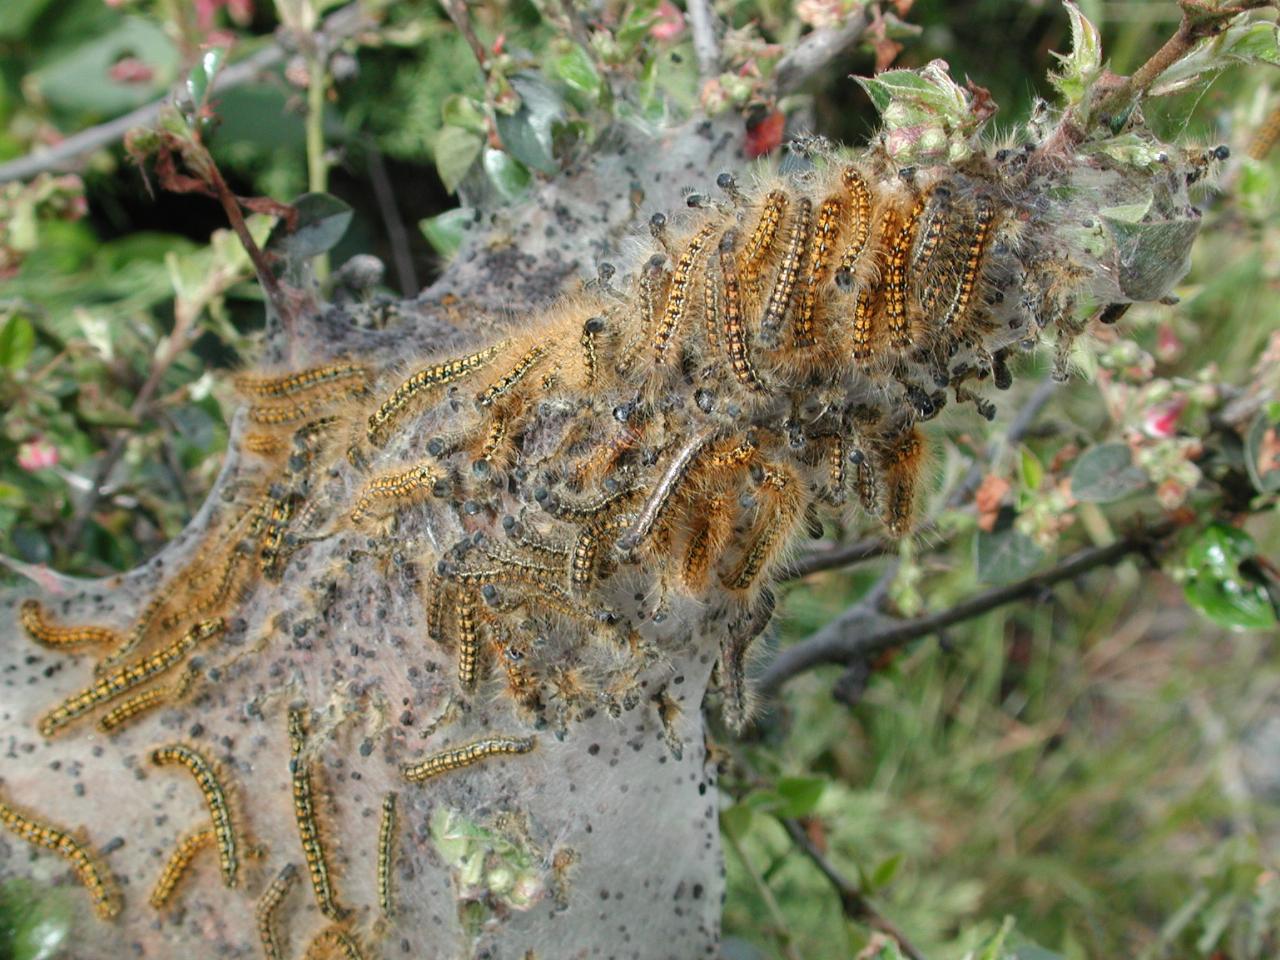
(37, 455)
(670, 22)
(1161, 421)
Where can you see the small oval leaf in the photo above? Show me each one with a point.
(446, 231)
(322, 221)
(1006, 556)
(1106, 473)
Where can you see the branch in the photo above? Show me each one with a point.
(839, 643)
(66, 154)
(853, 902)
(706, 45)
(1201, 19)
(397, 234)
(818, 49)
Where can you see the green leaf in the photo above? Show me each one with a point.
(883, 874)
(1216, 585)
(636, 23)
(927, 94)
(736, 820)
(1244, 42)
(35, 920)
(200, 80)
(1153, 255)
(1080, 67)
(17, 340)
(446, 231)
(993, 949)
(456, 150)
(461, 111)
(799, 796)
(81, 81)
(1032, 470)
(507, 174)
(1106, 473)
(528, 134)
(575, 69)
(322, 221)
(1262, 451)
(1005, 556)
(18, 16)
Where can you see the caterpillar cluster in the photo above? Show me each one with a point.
(668, 434)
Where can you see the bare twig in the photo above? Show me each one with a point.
(397, 234)
(838, 643)
(706, 45)
(67, 153)
(461, 17)
(817, 50)
(853, 902)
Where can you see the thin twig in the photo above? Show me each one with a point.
(853, 902)
(458, 13)
(1201, 19)
(706, 45)
(397, 234)
(770, 902)
(818, 49)
(836, 643)
(67, 153)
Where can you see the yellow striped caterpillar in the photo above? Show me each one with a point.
(215, 797)
(86, 863)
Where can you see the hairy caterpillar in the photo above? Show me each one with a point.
(388, 829)
(175, 867)
(87, 865)
(215, 798)
(36, 622)
(268, 904)
(304, 810)
(457, 757)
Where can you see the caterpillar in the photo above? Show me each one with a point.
(175, 867)
(304, 811)
(333, 942)
(147, 700)
(215, 797)
(464, 756)
(36, 623)
(387, 833)
(126, 678)
(264, 913)
(88, 867)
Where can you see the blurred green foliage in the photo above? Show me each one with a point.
(1100, 768)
